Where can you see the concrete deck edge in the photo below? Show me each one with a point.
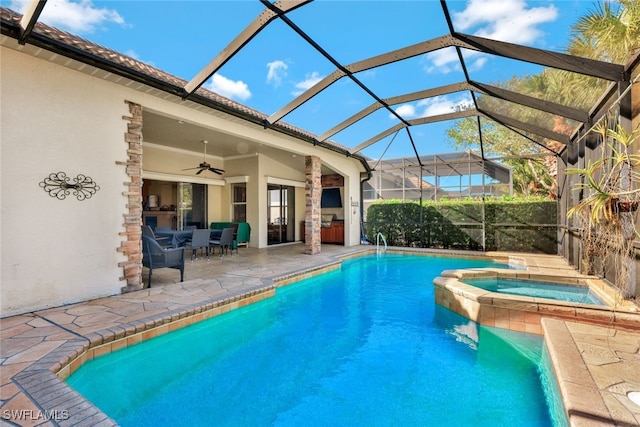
(51, 394)
(59, 404)
(583, 401)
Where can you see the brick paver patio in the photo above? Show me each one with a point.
(37, 349)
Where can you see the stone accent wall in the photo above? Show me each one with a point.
(313, 193)
(333, 180)
(131, 245)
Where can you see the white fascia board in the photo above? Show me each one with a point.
(236, 179)
(283, 181)
(182, 178)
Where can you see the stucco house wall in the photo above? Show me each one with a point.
(55, 118)
(54, 251)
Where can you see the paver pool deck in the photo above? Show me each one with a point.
(596, 365)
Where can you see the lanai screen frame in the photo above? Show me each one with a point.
(404, 178)
(573, 149)
(280, 11)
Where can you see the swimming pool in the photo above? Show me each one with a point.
(556, 291)
(366, 345)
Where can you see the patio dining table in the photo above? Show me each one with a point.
(178, 237)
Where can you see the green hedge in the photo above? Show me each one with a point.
(522, 225)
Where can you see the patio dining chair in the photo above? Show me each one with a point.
(165, 242)
(199, 240)
(225, 241)
(155, 256)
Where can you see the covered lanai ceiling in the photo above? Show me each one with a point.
(372, 71)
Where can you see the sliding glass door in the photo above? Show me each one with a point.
(280, 214)
(192, 205)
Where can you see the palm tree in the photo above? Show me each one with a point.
(610, 32)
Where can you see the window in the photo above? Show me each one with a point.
(239, 202)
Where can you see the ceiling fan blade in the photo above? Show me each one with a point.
(204, 165)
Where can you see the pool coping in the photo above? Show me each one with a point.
(43, 379)
(59, 404)
(588, 397)
(523, 313)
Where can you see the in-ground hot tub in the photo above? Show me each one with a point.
(556, 291)
(520, 310)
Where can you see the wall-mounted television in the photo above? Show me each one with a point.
(331, 198)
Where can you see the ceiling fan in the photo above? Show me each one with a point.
(204, 165)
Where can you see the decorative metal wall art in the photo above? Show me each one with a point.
(58, 185)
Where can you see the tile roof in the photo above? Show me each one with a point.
(91, 49)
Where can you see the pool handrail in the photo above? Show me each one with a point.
(378, 236)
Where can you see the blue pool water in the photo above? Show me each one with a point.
(556, 291)
(364, 346)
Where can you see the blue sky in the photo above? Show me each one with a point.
(181, 37)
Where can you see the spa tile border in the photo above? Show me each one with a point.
(521, 313)
(585, 404)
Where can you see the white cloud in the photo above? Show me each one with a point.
(309, 81)
(277, 71)
(77, 17)
(503, 20)
(511, 21)
(443, 104)
(478, 63)
(433, 106)
(229, 88)
(406, 111)
(443, 61)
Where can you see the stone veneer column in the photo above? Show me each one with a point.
(313, 193)
(131, 246)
